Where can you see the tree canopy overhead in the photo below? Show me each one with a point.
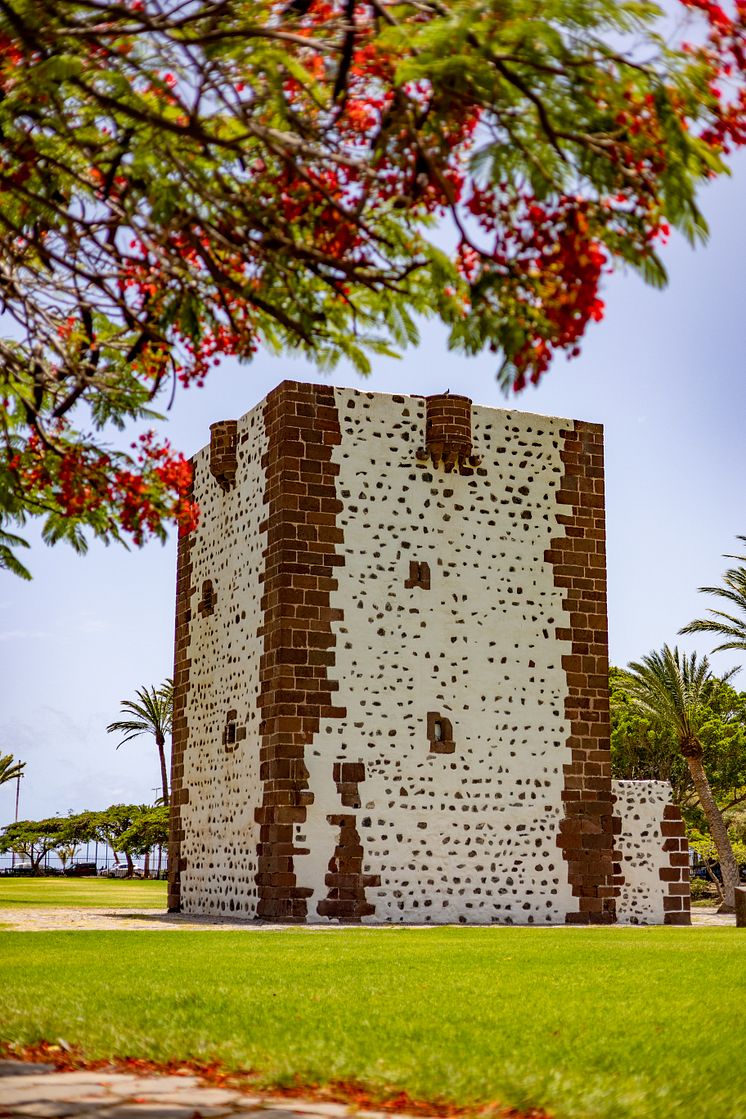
(186, 178)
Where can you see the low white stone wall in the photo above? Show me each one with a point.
(654, 880)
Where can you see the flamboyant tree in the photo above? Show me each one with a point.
(180, 180)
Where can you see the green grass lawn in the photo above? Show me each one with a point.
(612, 1023)
(114, 893)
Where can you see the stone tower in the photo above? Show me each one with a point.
(391, 697)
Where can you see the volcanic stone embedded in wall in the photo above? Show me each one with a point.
(296, 692)
(579, 560)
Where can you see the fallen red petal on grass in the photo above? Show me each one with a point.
(213, 1073)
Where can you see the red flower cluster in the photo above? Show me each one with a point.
(550, 267)
(79, 481)
(725, 53)
(294, 193)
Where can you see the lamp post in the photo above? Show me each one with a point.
(18, 793)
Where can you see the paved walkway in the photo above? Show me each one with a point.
(59, 919)
(37, 1090)
(708, 915)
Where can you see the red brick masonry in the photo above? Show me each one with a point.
(676, 901)
(295, 689)
(346, 883)
(579, 560)
(182, 663)
(223, 454)
(448, 439)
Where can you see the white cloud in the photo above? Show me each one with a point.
(24, 634)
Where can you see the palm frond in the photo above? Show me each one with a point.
(153, 713)
(730, 626)
(741, 558)
(672, 687)
(10, 770)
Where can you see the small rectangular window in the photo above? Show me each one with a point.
(440, 734)
(419, 575)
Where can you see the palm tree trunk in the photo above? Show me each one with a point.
(719, 833)
(160, 743)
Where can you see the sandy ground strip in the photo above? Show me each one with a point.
(62, 919)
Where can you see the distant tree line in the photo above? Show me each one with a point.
(130, 830)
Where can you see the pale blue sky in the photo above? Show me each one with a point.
(664, 373)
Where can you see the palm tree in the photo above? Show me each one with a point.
(151, 713)
(730, 626)
(10, 770)
(673, 688)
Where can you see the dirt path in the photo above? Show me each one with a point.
(61, 919)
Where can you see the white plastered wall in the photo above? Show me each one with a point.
(221, 835)
(470, 836)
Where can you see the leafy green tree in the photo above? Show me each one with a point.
(75, 829)
(10, 769)
(32, 839)
(702, 844)
(644, 748)
(8, 559)
(66, 851)
(111, 824)
(180, 182)
(150, 713)
(673, 688)
(728, 625)
(148, 830)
